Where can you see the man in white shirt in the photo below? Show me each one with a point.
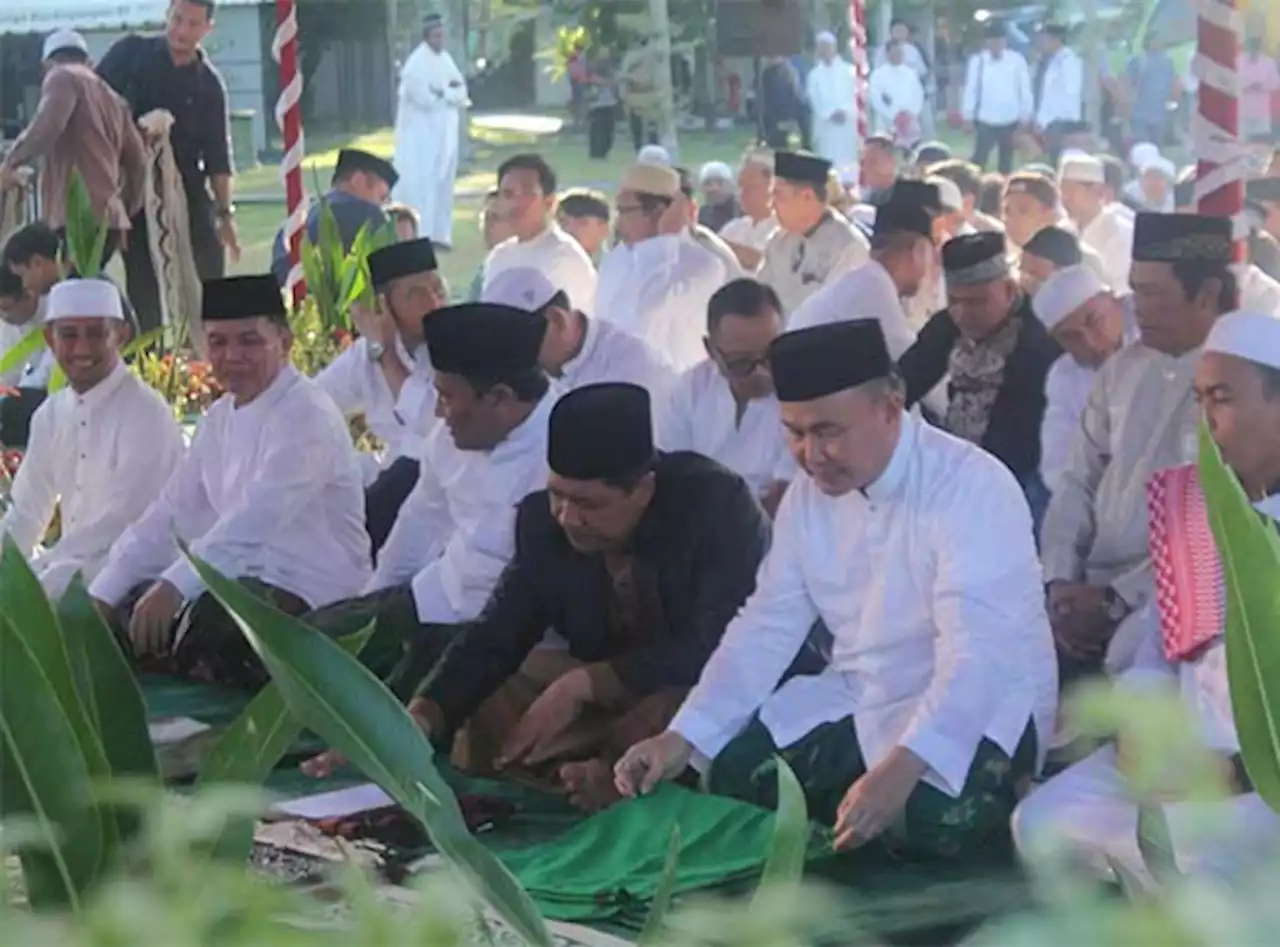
(897, 98)
(813, 244)
(455, 532)
(1029, 204)
(1092, 807)
(1059, 89)
(656, 275)
(527, 200)
(584, 215)
(1106, 227)
(749, 234)
(269, 493)
(700, 233)
(997, 98)
(1088, 321)
(385, 375)
(968, 178)
(830, 88)
(101, 449)
(1141, 415)
(578, 350)
(724, 407)
(941, 686)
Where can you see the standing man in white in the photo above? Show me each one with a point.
(432, 91)
(830, 88)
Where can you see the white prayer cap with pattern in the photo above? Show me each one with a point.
(759, 158)
(1063, 293)
(1082, 168)
(1143, 152)
(1254, 336)
(949, 195)
(654, 154)
(84, 299)
(655, 179)
(826, 36)
(1160, 165)
(715, 171)
(522, 287)
(59, 40)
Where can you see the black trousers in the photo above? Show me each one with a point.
(385, 496)
(16, 412)
(140, 274)
(642, 132)
(999, 137)
(601, 124)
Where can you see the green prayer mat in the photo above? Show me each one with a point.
(209, 703)
(608, 868)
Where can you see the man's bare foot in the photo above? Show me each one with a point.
(589, 785)
(322, 766)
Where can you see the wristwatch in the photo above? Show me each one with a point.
(375, 351)
(226, 213)
(1117, 608)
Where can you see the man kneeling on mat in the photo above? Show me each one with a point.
(637, 560)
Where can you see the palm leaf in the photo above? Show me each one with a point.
(1250, 552)
(785, 864)
(143, 342)
(82, 229)
(656, 921)
(333, 695)
(250, 749)
(20, 354)
(1156, 845)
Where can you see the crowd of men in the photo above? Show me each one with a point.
(864, 481)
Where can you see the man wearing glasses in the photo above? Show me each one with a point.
(725, 407)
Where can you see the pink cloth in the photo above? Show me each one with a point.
(1259, 80)
(1190, 594)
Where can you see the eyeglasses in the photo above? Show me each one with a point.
(740, 366)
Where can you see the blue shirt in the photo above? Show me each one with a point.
(1152, 76)
(349, 211)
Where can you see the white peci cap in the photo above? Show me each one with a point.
(84, 299)
(1063, 293)
(1083, 169)
(654, 154)
(1143, 152)
(1160, 165)
(949, 195)
(522, 287)
(1253, 336)
(59, 40)
(654, 179)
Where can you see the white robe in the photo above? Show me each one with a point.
(830, 86)
(432, 91)
(1088, 806)
(1111, 235)
(895, 89)
(928, 582)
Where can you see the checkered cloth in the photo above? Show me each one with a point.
(1188, 573)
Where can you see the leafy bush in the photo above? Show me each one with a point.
(337, 278)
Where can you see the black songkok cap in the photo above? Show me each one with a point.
(931, 152)
(401, 259)
(975, 258)
(1060, 247)
(1058, 30)
(897, 216)
(812, 363)
(241, 297)
(801, 168)
(995, 30)
(353, 159)
(920, 193)
(483, 341)
(1263, 190)
(601, 432)
(1168, 238)
(432, 20)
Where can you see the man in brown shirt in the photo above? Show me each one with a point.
(81, 124)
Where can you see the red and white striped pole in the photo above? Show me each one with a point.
(861, 71)
(284, 49)
(1215, 129)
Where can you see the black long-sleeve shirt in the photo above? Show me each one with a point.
(141, 69)
(1013, 432)
(704, 535)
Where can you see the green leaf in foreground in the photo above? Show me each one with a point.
(20, 354)
(785, 865)
(335, 696)
(249, 749)
(1250, 553)
(656, 921)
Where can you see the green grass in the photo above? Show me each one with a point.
(566, 152)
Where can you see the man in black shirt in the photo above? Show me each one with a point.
(172, 72)
(637, 560)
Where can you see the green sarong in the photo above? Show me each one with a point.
(934, 827)
(401, 651)
(608, 867)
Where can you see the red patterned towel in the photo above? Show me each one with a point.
(1188, 572)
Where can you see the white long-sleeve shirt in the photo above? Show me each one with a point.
(701, 415)
(456, 531)
(929, 584)
(1110, 234)
(610, 354)
(998, 91)
(658, 290)
(1062, 95)
(102, 456)
(271, 489)
(892, 90)
(560, 258)
(358, 386)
